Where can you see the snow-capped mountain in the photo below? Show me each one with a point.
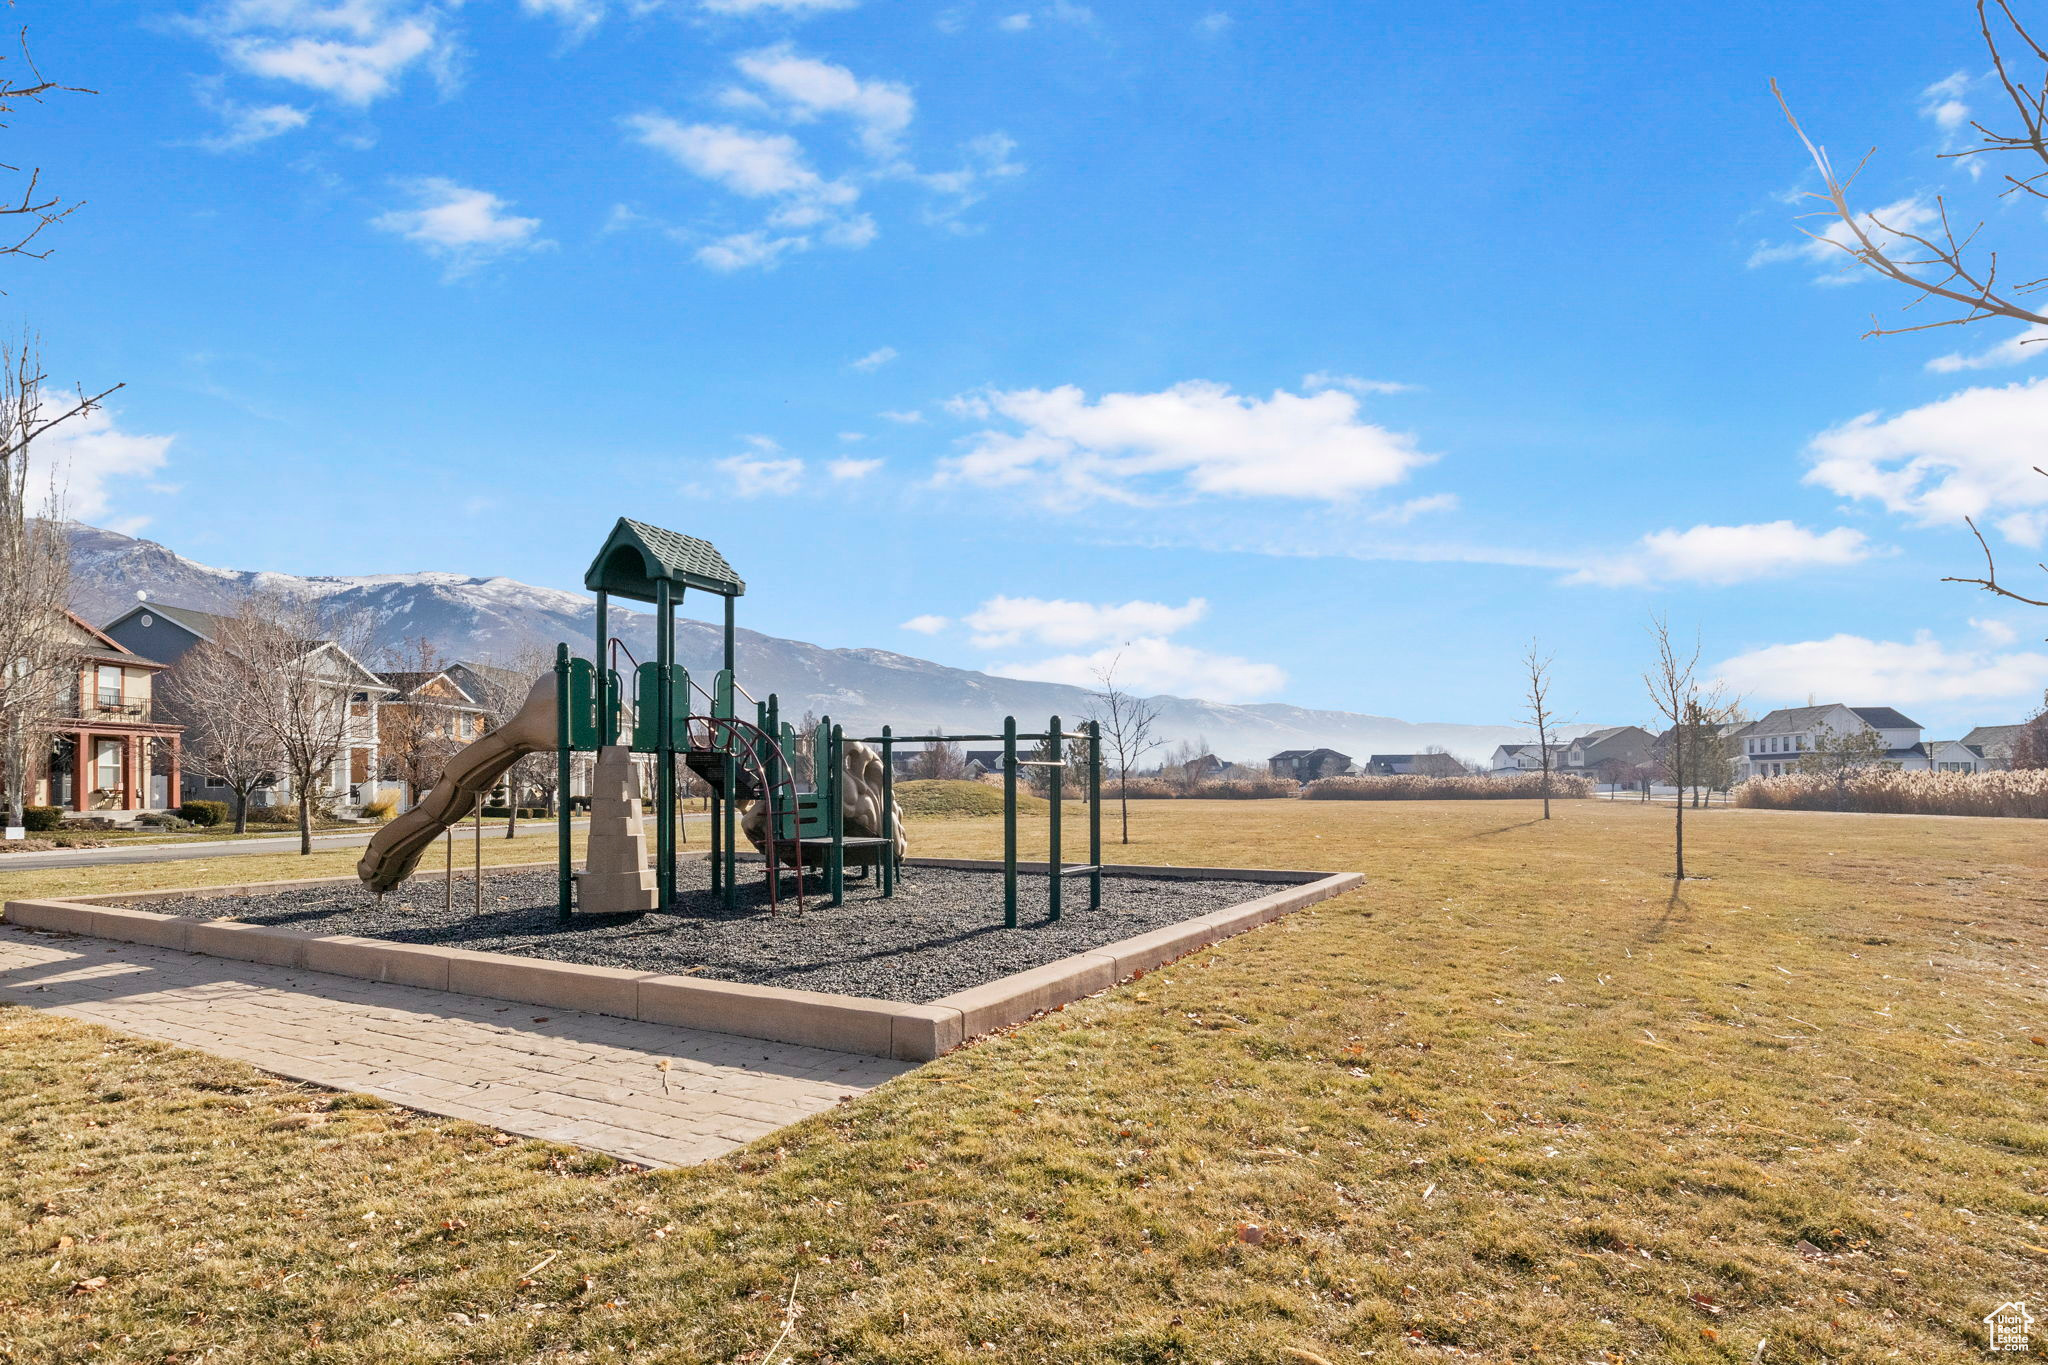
(499, 618)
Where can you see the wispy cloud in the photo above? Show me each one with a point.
(1726, 554)
(463, 226)
(1195, 439)
(875, 359)
(1901, 673)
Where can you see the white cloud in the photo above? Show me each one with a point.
(1959, 456)
(1196, 438)
(792, 7)
(247, 125)
(910, 418)
(755, 475)
(876, 359)
(1727, 554)
(1149, 665)
(2026, 344)
(1323, 379)
(1400, 514)
(85, 460)
(1830, 248)
(747, 163)
(1864, 671)
(742, 250)
(846, 470)
(1010, 620)
(927, 624)
(353, 50)
(578, 15)
(464, 226)
(1014, 23)
(1942, 102)
(1214, 22)
(804, 89)
(1996, 631)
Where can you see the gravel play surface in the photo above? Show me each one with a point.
(942, 932)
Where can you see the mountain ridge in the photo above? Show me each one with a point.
(862, 688)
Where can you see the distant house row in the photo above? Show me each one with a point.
(1776, 744)
(122, 753)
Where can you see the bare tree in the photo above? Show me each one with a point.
(309, 690)
(499, 686)
(1127, 723)
(1838, 755)
(939, 761)
(34, 209)
(1695, 713)
(1536, 703)
(1947, 266)
(225, 737)
(39, 656)
(416, 734)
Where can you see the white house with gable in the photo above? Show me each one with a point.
(1774, 745)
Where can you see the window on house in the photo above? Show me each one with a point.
(107, 684)
(106, 764)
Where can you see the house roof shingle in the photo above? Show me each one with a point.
(1884, 718)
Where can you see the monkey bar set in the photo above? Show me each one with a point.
(762, 758)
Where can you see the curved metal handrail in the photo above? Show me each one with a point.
(768, 789)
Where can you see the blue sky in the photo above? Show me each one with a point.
(1318, 353)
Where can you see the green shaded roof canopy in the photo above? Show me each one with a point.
(636, 556)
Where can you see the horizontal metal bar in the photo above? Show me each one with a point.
(1040, 763)
(1078, 870)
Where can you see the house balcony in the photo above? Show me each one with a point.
(133, 712)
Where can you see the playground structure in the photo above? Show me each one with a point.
(818, 800)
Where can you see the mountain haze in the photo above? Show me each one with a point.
(499, 618)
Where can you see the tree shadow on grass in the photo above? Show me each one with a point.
(1519, 824)
(1677, 911)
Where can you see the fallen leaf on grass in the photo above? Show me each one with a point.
(295, 1121)
(1304, 1355)
(1250, 1233)
(91, 1286)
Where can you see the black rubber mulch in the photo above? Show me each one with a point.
(942, 932)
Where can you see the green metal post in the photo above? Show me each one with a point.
(664, 755)
(1010, 821)
(601, 658)
(1095, 814)
(1054, 879)
(728, 635)
(728, 814)
(837, 866)
(563, 880)
(888, 813)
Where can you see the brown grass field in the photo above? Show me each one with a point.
(1514, 1100)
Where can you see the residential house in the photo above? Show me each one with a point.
(110, 754)
(1204, 768)
(1512, 760)
(427, 713)
(1611, 755)
(1992, 745)
(983, 762)
(1954, 756)
(1775, 745)
(1307, 765)
(1413, 765)
(167, 633)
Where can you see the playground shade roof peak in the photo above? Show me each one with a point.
(636, 556)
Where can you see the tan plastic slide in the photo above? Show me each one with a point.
(397, 847)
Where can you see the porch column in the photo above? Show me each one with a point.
(81, 771)
(173, 792)
(131, 775)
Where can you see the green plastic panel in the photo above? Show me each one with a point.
(582, 705)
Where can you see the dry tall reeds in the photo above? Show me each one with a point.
(2021, 792)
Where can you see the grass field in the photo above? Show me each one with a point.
(1514, 1100)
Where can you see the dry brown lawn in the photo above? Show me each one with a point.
(1514, 1100)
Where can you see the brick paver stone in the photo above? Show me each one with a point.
(584, 1079)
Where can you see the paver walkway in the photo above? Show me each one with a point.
(585, 1079)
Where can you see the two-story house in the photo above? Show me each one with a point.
(1610, 755)
(167, 633)
(1775, 745)
(111, 755)
(1413, 765)
(1512, 760)
(1307, 765)
(1992, 745)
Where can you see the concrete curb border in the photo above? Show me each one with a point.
(842, 1023)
